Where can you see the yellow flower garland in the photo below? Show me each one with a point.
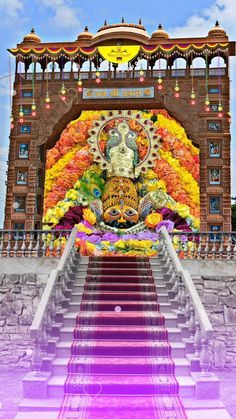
(190, 185)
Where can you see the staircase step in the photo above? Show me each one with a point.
(37, 415)
(120, 295)
(125, 365)
(120, 348)
(120, 279)
(35, 405)
(121, 333)
(124, 306)
(122, 287)
(119, 271)
(132, 318)
(124, 385)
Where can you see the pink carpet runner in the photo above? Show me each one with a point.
(120, 365)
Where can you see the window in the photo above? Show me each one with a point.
(21, 177)
(214, 107)
(18, 227)
(27, 93)
(25, 129)
(23, 151)
(215, 204)
(19, 204)
(214, 236)
(214, 148)
(214, 126)
(214, 90)
(214, 176)
(26, 109)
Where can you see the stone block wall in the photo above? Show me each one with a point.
(19, 298)
(218, 294)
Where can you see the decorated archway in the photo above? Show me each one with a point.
(119, 176)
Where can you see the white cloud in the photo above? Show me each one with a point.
(199, 25)
(10, 9)
(65, 15)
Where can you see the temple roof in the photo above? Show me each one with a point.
(123, 33)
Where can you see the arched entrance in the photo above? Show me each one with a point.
(84, 186)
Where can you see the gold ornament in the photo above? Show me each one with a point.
(119, 189)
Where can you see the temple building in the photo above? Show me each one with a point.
(173, 97)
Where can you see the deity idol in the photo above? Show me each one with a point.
(120, 205)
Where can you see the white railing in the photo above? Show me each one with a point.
(187, 302)
(205, 245)
(54, 300)
(123, 74)
(32, 243)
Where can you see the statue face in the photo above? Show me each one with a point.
(121, 216)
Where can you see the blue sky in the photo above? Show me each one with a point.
(59, 20)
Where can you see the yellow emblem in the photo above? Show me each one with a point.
(119, 54)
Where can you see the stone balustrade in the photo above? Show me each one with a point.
(188, 305)
(122, 74)
(32, 243)
(204, 245)
(54, 300)
(50, 243)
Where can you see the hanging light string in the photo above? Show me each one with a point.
(98, 79)
(79, 83)
(220, 107)
(63, 89)
(159, 80)
(193, 95)
(47, 99)
(10, 93)
(176, 77)
(207, 102)
(33, 107)
(21, 113)
(141, 72)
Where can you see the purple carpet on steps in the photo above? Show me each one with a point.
(120, 365)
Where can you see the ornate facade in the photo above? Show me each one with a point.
(122, 68)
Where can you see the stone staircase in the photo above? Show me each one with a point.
(125, 339)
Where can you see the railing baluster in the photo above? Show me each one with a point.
(187, 312)
(221, 248)
(197, 340)
(23, 246)
(205, 358)
(44, 247)
(207, 246)
(8, 248)
(228, 249)
(199, 250)
(193, 247)
(178, 250)
(16, 237)
(37, 357)
(37, 245)
(59, 246)
(213, 250)
(51, 245)
(192, 324)
(30, 247)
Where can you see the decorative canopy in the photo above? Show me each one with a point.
(122, 42)
(147, 50)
